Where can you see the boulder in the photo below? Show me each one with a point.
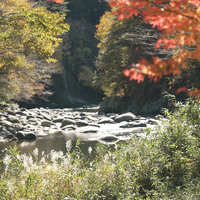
(67, 122)
(108, 138)
(106, 121)
(12, 119)
(58, 119)
(69, 127)
(125, 117)
(8, 137)
(30, 136)
(46, 123)
(132, 125)
(20, 135)
(6, 123)
(80, 123)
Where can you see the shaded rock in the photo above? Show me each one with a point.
(108, 138)
(112, 105)
(39, 117)
(14, 139)
(30, 117)
(22, 113)
(46, 123)
(153, 122)
(132, 125)
(87, 129)
(10, 112)
(6, 123)
(30, 136)
(67, 122)
(13, 119)
(11, 130)
(95, 125)
(81, 123)
(69, 127)
(82, 114)
(59, 119)
(106, 121)
(45, 116)
(9, 137)
(20, 135)
(125, 117)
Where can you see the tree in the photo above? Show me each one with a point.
(122, 43)
(25, 31)
(178, 21)
(60, 6)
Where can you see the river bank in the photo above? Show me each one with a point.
(70, 124)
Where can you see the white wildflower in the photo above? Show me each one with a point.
(18, 157)
(90, 150)
(7, 160)
(106, 157)
(43, 160)
(35, 152)
(68, 145)
(55, 155)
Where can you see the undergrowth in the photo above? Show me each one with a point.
(164, 164)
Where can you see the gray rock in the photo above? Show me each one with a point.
(82, 114)
(69, 127)
(67, 122)
(108, 138)
(30, 136)
(9, 137)
(95, 125)
(132, 125)
(59, 119)
(106, 121)
(46, 123)
(10, 112)
(13, 119)
(125, 117)
(20, 135)
(6, 123)
(22, 113)
(30, 117)
(80, 123)
(45, 116)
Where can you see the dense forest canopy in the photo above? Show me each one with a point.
(98, 60)
(25, 31)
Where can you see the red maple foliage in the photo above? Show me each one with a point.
(179, 23)
(57, 1)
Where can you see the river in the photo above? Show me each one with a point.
(54, 127)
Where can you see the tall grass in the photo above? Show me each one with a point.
(165, 164)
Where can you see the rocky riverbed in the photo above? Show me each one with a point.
(70, 124)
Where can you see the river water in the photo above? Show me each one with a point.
(57, 142)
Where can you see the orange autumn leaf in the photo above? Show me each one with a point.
(57, 1)
(181, 89)
(195, 92)
(179, 24)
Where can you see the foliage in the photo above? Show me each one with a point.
(90, 10)
(120, 44)
(79, 51)
(54, 6)
(178, 22)
(163, 164)
(24, 31)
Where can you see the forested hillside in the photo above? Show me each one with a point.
(91, 57)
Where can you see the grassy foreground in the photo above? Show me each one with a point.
(163, 165)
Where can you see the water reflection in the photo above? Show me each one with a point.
(44, 145)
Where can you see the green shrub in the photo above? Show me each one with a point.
(163, 164)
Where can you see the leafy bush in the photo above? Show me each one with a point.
(163, 164)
